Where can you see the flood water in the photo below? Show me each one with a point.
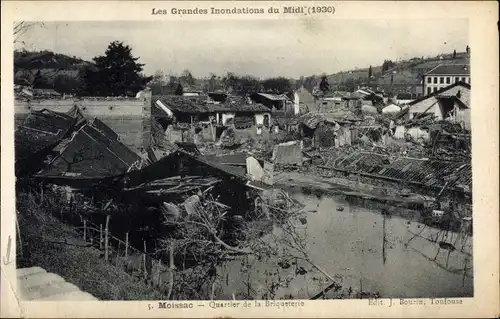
(348, 245)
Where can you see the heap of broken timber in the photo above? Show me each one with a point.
(174, 186)
(187, 160)
(429, 173)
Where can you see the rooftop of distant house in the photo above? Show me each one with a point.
(459, 91)
(185, 105)
(273, 97)
(450, 69)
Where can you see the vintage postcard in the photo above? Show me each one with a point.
(249, 159)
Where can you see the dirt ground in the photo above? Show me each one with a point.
(43, 237)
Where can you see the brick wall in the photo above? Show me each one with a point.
(128, 117)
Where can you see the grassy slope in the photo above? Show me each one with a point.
(81, 266)
(407, 71)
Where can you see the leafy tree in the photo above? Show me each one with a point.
(212, 82)
(370, 72)
(324, 86)
(179, 90)
(388, 64)
(39, 82)
(277, 85)
(187, 77)
(117, 73)
(248, 84)
(454, 54)
(67, 84)
(349, 85)
(309, 83)
(158, 83)
(229, 80)
(300, 82)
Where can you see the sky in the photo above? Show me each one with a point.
(266, 48)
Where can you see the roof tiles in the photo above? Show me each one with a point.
(450, 69)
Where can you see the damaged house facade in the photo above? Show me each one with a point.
(329, 129)
(451, 103)
(211, 118)
(274, 102)
(187, 111)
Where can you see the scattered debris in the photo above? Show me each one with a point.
(289, 153)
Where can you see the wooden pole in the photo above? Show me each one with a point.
(84, 230)
(171, 268)
(126, 245)
(158, 273)
(171, 256)
(117, 253)
(384, 254)
(100, 236)
(41, 193)
(106, 239)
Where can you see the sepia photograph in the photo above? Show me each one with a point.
(248, 159)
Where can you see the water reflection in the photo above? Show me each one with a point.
(407, 260)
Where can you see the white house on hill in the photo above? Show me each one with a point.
(445, 74)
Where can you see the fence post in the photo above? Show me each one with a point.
(41, 193)
(126, 245)
(100, 236)
(144, 261)
(106, 239)
(117, 253)
(84, 230)
(171, 256)
(158, 272)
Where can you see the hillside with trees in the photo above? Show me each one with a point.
(390, 76)
(116, 73)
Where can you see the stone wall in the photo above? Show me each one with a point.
(130, 118)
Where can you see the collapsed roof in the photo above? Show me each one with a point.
(93, 153)
(424, 172)
(40, 132)
(312, 119)
(180, 104)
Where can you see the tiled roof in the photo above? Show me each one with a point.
(428, 172)
(41, 130)
(226, 107)
(94, 152)
(182, 104)
(450, 69)
(362, 162)
(186, 105)
(450, 90)
(312, 119)
(273, 97)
